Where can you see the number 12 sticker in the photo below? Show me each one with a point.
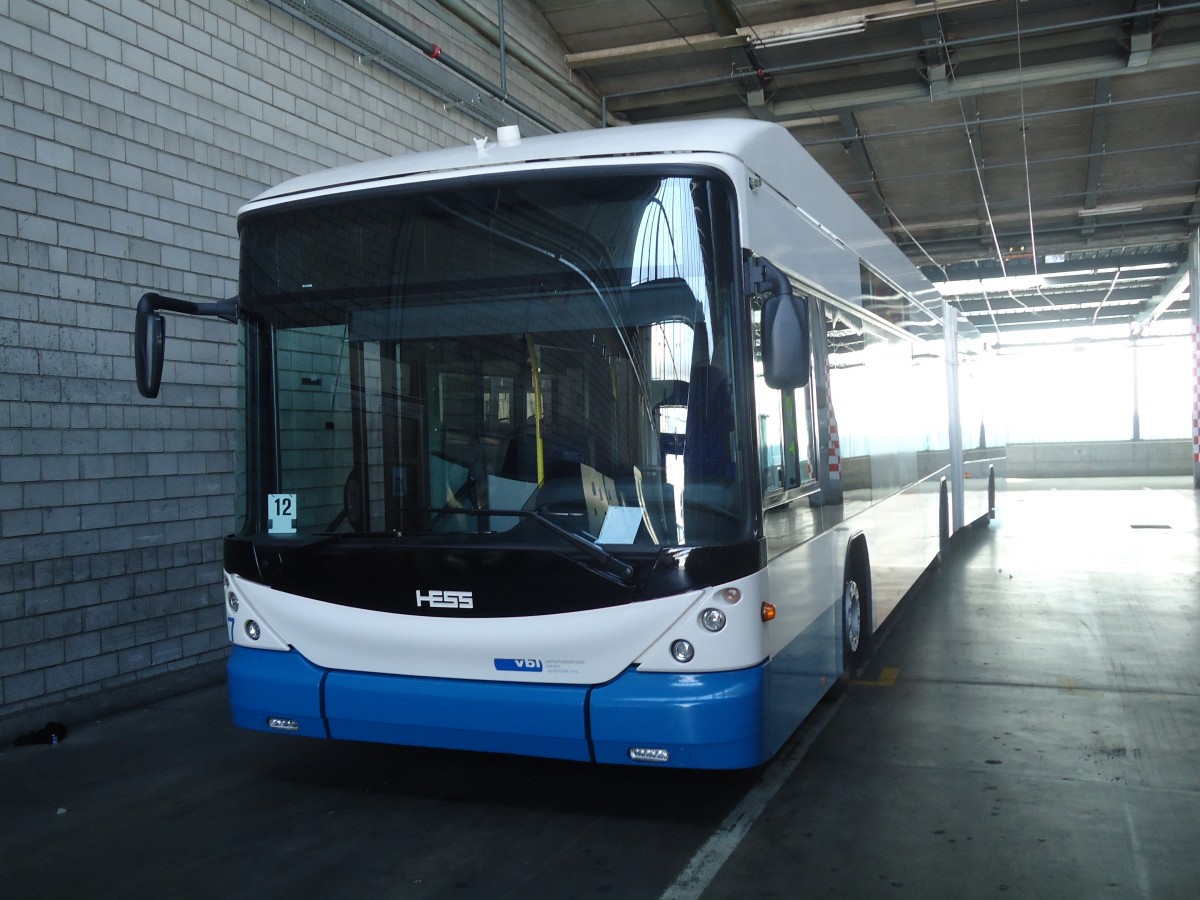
(281, 509)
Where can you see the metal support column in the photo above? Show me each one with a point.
(1195, 292)
(957, 466)
(1137, 416)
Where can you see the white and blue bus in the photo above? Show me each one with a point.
(611, 446)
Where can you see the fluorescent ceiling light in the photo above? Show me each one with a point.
(1112, 209)
(997, 285)
(783, 38)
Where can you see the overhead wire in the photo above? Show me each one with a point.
(977, 168)
(1025, 136)
(977, 165)
(951, 75)
(889, 209)
(860, 137)
(1033, 254)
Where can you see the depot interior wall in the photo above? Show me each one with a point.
(130, 133)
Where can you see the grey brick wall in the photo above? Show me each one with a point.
(130, 133)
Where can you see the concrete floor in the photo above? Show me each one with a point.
(1029, 726)
(1042, 734)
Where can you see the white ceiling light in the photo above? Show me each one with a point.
(784, 37)
(1112, 209)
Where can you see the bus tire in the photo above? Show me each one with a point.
(854, 609)
(852, 625)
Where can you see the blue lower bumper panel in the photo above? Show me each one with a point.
(267, 688)
(498, 717)
(711, 720)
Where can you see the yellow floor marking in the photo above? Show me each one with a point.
(887, 678)
(1068, 685)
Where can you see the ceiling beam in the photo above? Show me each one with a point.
(1099, 141)
(787, 31)
(1141, 37)
(724, 18)
(1072, 267)
(952, 248)
(1029, 321)
(1172, 291)
(1143, 214)
(668, 97)
(1080, 306)
(990, 82)
(1134, 294)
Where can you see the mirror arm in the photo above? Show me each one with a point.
(764, 278)
(222, 309)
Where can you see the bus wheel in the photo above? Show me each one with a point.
(851, 610)
(852, 624)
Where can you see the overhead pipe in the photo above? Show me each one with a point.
(503, 47)
(489, 30)
(434, 52)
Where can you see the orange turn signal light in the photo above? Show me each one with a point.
(768, 612)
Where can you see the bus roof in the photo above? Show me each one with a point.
(740, 138)
(766, 149)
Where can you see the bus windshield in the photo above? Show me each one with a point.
(419, 364)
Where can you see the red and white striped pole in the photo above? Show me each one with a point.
(835, 445)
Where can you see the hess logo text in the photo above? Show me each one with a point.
(446, 600)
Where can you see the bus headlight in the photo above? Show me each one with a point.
(253, 631)
(683, 651)
(712, 619)
(233, 601)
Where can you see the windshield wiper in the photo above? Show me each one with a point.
(609, 564)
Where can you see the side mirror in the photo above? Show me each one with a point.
(785, 332)
(148, 336)
(149, 333)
